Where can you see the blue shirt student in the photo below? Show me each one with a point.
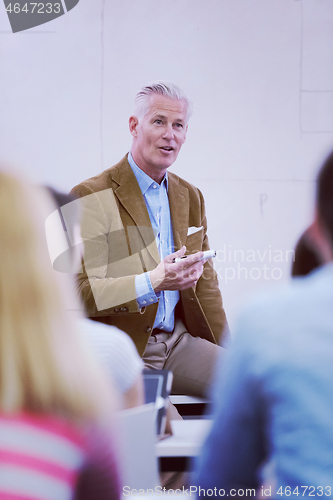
(274, 397)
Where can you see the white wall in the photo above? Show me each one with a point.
(259, 73)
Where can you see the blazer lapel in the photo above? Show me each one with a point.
(179, 209)
(130, 196)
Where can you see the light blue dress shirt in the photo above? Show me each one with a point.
(157, 202)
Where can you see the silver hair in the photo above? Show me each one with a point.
(142, 98)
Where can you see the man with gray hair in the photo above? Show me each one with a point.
(137, 220)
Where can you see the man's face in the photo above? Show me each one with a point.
(159, 135)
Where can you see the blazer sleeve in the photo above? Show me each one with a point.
(107, 281)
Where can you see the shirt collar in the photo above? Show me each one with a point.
(143, 179)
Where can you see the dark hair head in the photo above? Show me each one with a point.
(69, 213)
(60, 200)
(306, 257)
(324, 196)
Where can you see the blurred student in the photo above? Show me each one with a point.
(55, 405)
(274, 403)
(115, 350)
(306, 256)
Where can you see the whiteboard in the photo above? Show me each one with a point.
(259, 73)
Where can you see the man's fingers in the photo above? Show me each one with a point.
(175, 255)
(188, 284)
(180, 275)
(180, 252)
(192, 273)
(191, 260)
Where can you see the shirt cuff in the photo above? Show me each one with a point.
(145, 293)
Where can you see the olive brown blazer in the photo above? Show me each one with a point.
(119, 243)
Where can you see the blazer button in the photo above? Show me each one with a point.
(116, 310)
(124, 309)
(148, 329)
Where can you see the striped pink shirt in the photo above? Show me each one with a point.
(47, 458)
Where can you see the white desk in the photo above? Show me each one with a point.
(187, 439)
(180, 399)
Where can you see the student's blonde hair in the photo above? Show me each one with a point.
(45, 366)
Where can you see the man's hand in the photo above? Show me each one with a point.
(169, 275)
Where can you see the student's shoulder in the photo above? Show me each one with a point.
(108, 335)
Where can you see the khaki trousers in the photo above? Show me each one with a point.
(191, 359)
